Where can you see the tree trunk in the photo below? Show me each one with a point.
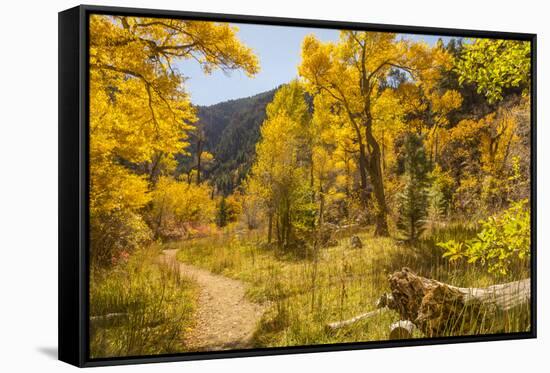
(436, 156)
(311, 178)
(288, 227)
(321, 208)
(376, 178)
(199, 157)
(363, 173)
(362, 165)
(278, 231)
(269, 227)
(159, 220)
(154, 168)
(438, 309)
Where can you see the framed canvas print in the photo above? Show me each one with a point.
(238, 186)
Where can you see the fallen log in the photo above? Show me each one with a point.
(438, 309)
(114, 318)
(346, 227)
(402, 329)
(340, 324)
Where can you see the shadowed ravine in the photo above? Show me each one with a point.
(225, 319)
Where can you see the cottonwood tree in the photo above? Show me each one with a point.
(353, 73)
(140, 113)
(281, 172)
(176, 204)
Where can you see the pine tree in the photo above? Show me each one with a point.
(222, 216)
(414, 199)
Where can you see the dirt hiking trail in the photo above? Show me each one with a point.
(225, 319)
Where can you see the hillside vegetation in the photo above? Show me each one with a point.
(230, 131)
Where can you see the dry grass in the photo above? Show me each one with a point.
(303, 295)
(139, 307)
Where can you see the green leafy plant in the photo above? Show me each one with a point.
(495, 65)
(502, 244)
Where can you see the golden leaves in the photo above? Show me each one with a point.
(140, 113)
(185, 202)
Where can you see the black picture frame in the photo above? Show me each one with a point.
(74, 177)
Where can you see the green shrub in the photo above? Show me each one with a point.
(502, 245)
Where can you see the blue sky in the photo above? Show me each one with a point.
(278, 48)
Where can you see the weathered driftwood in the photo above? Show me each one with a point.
(437, 308)
(402, 329)
(108, 319)
(341, 324)
(347, 227)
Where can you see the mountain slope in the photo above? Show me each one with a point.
(231, 130)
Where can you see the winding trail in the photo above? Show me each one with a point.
(225, 319)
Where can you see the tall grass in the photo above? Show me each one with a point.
(338, 283)
(139, 307)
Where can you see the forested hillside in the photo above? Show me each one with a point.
(230, 131)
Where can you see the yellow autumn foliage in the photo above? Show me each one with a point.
(141, 114)
(178, 205)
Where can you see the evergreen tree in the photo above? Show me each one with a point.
(222, 216)
(414, 199)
